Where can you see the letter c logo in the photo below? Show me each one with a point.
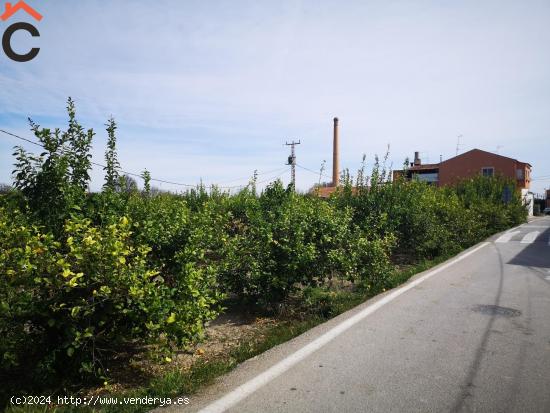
(6, 42)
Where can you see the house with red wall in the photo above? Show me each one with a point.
(468, 165)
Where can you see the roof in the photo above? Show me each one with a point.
(424, 167)
(326, 191)
(437, 165)
(485, 152)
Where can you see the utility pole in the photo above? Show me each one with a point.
(292, 160)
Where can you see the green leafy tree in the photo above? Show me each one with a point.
(112, 166)
(55, 182)
(146, 175)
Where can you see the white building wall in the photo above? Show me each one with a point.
(528, 200)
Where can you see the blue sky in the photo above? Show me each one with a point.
(212, 90)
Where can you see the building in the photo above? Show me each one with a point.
(326, 191)
(468, 165)
(548, 198)
(448, 172)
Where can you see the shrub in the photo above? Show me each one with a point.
(429, 221)
(68, 303)
(283, 241)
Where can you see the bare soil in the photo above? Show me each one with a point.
(222, 335)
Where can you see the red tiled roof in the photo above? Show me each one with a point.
(486, 152)
(424, 167)
(325, 192)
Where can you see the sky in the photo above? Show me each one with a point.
(212, 90)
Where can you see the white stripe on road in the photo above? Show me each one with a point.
(507, 236)
(534, 226)
(246, 389)
(530, 237)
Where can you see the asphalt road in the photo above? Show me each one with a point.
(471, 336)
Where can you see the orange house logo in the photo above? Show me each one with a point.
(9, 12)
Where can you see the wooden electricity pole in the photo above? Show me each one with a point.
(292, 161)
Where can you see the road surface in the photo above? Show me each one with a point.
(472, 335)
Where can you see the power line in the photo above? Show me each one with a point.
(271, 179)
(98, 164)
(274, 177)
(260, 182)
(152, 179)
(313, 172)
(255, 173)
(20, 137)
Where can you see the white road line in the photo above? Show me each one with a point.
(507, 236)
(534, 226)
(246, 389)
(547, 278)
(530, 237)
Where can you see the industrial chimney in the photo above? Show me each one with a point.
(417, 161)
(335, 157)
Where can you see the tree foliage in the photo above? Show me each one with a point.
(55, 182)
(112, 166)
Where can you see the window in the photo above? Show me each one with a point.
(520, 173)
(490, 171)
(427, 177)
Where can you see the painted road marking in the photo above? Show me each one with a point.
(534, 226)
(507, 236)
(530, 237)
(547, 278)
(246, 389)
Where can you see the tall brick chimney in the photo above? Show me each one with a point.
(335, 157)
(417, 161)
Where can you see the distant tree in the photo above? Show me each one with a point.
(157, 191)
(5, 188)
(126, 184)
